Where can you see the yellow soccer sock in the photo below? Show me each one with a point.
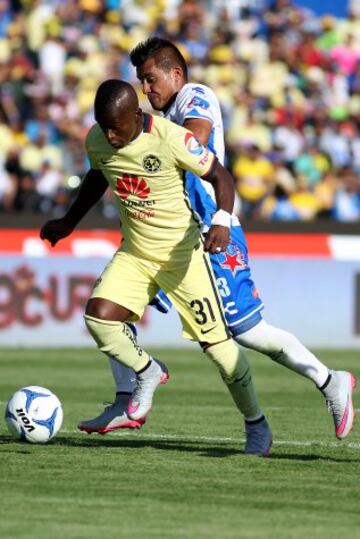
(116, 340)
(235, 371)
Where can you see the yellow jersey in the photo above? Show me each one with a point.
(147, 179)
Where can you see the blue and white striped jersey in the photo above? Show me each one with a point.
(199, 101)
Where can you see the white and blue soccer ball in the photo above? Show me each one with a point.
(34, 414)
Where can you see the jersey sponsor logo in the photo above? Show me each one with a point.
(205, 158)
(132, 185)
(139, 203)
(151, 163)
(193, 145)
(233, 259)
(198, 102)
(140, 215)
(199, 90)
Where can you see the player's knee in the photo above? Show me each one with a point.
(96, 307)
(104, 309)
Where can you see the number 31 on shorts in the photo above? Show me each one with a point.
(203, 310)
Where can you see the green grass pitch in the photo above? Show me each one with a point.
(184, 475)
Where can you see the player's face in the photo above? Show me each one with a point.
(159, 86)
(119, 132)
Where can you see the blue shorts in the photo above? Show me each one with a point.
(240, 298)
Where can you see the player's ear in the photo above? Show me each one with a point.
(178, 73)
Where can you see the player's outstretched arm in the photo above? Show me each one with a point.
(92, 189)
(218, 235)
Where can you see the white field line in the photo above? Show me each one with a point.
(220, 439)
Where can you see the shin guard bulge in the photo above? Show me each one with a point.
(235, 371)
(115, 339)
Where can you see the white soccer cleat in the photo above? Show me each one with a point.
(146, 383)
(338, 395)
(113, 417)
(258, 438)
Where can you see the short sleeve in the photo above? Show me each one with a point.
(189, 154)
(196, 102)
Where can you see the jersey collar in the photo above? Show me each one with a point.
(169, 103)
(148, 121)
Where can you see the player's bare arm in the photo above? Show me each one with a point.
(200, 128)
(92, 189)
(219, 233)
(218, 236)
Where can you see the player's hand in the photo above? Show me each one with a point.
(217, 239)
(55, 230)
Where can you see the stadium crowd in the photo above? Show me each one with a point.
(288, 83)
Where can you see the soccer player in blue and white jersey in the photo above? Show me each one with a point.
(162, 72)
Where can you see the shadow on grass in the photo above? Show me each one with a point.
(203, 449)
(19, 446)
(190, 446)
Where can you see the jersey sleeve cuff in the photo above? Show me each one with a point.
(198, 117)
(210, 173)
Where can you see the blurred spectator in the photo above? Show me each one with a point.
(346, 55)
(347, 196)
(277, 207)
(290, 139)
(311, 165)
(48, 182)
(254, 179)
(194, 41)
(7, 189)
(305, 202)
(288, 83)
(52, 56)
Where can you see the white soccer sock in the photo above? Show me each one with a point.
(123, 376)
(284, 348)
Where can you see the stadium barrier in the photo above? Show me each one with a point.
(310, 285)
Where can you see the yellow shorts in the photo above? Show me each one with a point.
(133, 282)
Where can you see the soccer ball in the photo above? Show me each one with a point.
(34, 414)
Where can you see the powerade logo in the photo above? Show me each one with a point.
(193, 145)
(132, 185)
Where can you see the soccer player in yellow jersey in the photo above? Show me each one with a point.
(142, 159)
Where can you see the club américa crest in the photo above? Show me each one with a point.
(151, 163)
